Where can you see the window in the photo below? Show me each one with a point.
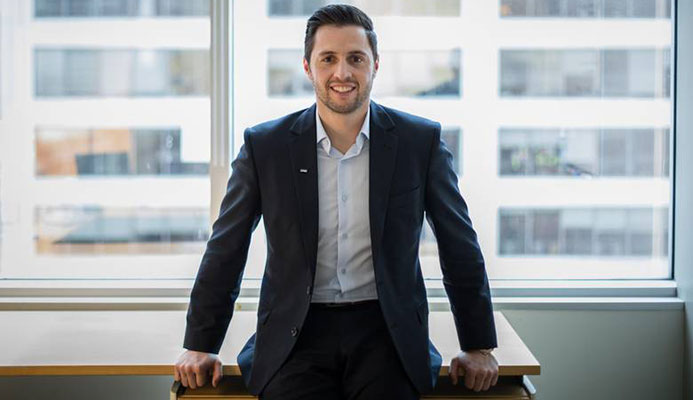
(109, 121)
(613, 232)
(373, 8)
(603, 239)
(94, 229)
(98, 72)
(121, 8)
(584, 152)
(453, 141)
(83, 152)
(588, 73)
(586, 8)
(564, 160)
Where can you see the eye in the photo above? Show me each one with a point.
(328, 59)
(357, 59)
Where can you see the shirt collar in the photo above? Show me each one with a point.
(322, 134)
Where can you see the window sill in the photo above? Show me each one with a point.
(173, 295)
(251, 288)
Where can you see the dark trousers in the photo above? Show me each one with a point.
(342, 353)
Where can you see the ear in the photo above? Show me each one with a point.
(306, 69)
(376, 65)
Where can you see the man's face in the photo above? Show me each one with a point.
(341, 68)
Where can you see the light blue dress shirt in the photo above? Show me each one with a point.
(344, 264)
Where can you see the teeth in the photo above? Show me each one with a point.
(342, 89)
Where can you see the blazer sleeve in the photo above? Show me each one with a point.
(461, 260)
(218, 280)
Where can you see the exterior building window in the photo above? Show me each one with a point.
(597, 232)
(89, 152)
(584, 152)
(586, 8)
(453, 141)
(94, 229)
(374, 8)
(120, 8)
(585, 73)
(64, 72)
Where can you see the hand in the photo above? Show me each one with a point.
(480, 370)
(193, 368)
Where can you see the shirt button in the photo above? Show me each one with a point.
(294, 331)
(344, 235)
(344, 197)
(343, 270)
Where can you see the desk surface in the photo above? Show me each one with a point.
(148, 342)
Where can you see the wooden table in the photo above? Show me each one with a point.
(148, 343)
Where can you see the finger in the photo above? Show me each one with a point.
(184, 379)
(218, 373)
(453, 371)
(487, 381)
(190, 374)
(176, 374)
(469, 377)
(495, 379)
(479, 381)
(200, 377)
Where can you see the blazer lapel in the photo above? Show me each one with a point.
(304, 169)
(383, 152)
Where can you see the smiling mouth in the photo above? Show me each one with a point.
(343, 89)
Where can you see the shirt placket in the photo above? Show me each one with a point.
(341, 226)
(344, 181)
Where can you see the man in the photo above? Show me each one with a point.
(343, 187)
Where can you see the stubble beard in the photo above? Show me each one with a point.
(323, 94)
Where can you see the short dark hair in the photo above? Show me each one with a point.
(339, 15)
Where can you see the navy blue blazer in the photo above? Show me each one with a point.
(275, 176)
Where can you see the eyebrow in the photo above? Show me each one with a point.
(330, 52)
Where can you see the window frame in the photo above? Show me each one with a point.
(173, 293)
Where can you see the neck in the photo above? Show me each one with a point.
(342, 128)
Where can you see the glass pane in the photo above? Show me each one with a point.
(613, 156)
(373, 8)
(100, 72)
(98, 230)
(593, 232)
(585, 73)
(62, 152)
(111, 131)
(453, 141)
(560, 131)
(577, 232)
(583, 152)
(121, 8)
(513, 231)
(586, 8)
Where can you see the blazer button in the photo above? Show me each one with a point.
(294, 331)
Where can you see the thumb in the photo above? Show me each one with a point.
(217, 374)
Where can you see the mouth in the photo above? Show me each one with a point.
(343, 89)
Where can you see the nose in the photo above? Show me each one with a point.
(342, 70)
